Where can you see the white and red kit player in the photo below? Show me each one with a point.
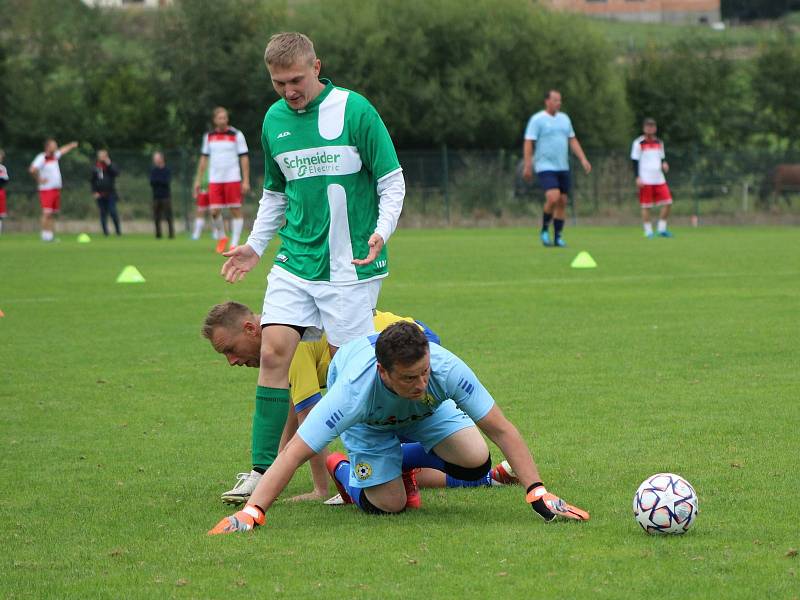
(649, 165)
(224, 154)
(3, 182)
(47, 174)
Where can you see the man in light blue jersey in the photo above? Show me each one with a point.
(398, 385)
(548, 137)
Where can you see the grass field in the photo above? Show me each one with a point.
(120, 427)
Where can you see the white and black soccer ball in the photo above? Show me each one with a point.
(665, 503)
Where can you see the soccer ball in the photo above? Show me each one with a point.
(665, 503)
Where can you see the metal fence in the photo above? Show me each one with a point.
(457, 187)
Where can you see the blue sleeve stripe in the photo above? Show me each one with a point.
(307, 403)
(466, 386)
(432, 337)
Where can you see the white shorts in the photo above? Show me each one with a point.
(343, 312)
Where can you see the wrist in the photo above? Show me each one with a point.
(255, 511)
(535, 491)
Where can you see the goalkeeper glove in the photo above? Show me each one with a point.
(250, 517)
(549, 506)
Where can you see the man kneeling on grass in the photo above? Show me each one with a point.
(397, 384)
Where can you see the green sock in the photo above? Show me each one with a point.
(272, 405)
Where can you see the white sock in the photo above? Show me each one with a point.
(648, 228)
(219, 226)
(236, 231)
(662, 225)
(47, 236)
(199, 222)
(1, 225)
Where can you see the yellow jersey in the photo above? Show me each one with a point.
(308, 373)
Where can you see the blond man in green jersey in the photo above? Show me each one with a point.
(332, 174)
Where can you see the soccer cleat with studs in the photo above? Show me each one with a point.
(240, 493)
(413, 497)
(503, 474)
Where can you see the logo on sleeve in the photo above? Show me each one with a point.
(334, 419)
(284, 134)
(466, 385)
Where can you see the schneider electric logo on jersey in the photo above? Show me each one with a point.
(319, 164)
(312, 162)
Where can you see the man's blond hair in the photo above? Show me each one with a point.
(287, 49)
(228, 315)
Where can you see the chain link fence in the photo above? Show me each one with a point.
(447, 187)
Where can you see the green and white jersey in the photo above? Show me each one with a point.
(328, 159)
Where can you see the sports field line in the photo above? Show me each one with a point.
(459, 283)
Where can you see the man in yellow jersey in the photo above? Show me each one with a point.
(235, 331)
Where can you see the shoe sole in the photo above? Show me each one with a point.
(235, 500)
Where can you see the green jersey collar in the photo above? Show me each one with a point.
(311, 106)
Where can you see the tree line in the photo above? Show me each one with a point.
(464, 74)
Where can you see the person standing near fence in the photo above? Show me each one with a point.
(225, 155)
(45, 171)
(548, 138)
(649, 166)
(160, 178)
(104, 189)
(3, 182)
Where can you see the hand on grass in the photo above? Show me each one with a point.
(246, 519)
(549, 506)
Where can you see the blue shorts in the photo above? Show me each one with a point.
(550, 180)
(375, 453)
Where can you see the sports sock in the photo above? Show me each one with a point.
(342, 475)
(198, 228)
(415, 457)
(272, 406)
(236, 231)
(648, 228)
(546, 218)
(662, 225)
(452, 482)
(558, 226)
(47, 236)
(1, 225)
(219, 226)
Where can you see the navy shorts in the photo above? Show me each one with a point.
(550, 180)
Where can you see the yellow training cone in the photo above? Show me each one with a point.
(584, 260)
(130, 274)
(84, 238)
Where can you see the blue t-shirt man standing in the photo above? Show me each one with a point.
(548, 137)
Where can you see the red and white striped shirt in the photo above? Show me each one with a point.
(223, 149)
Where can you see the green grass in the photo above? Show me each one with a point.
(120, 427)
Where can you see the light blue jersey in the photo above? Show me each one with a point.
(551, 134)
(357, 396)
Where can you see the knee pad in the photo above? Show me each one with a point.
(468, 473)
